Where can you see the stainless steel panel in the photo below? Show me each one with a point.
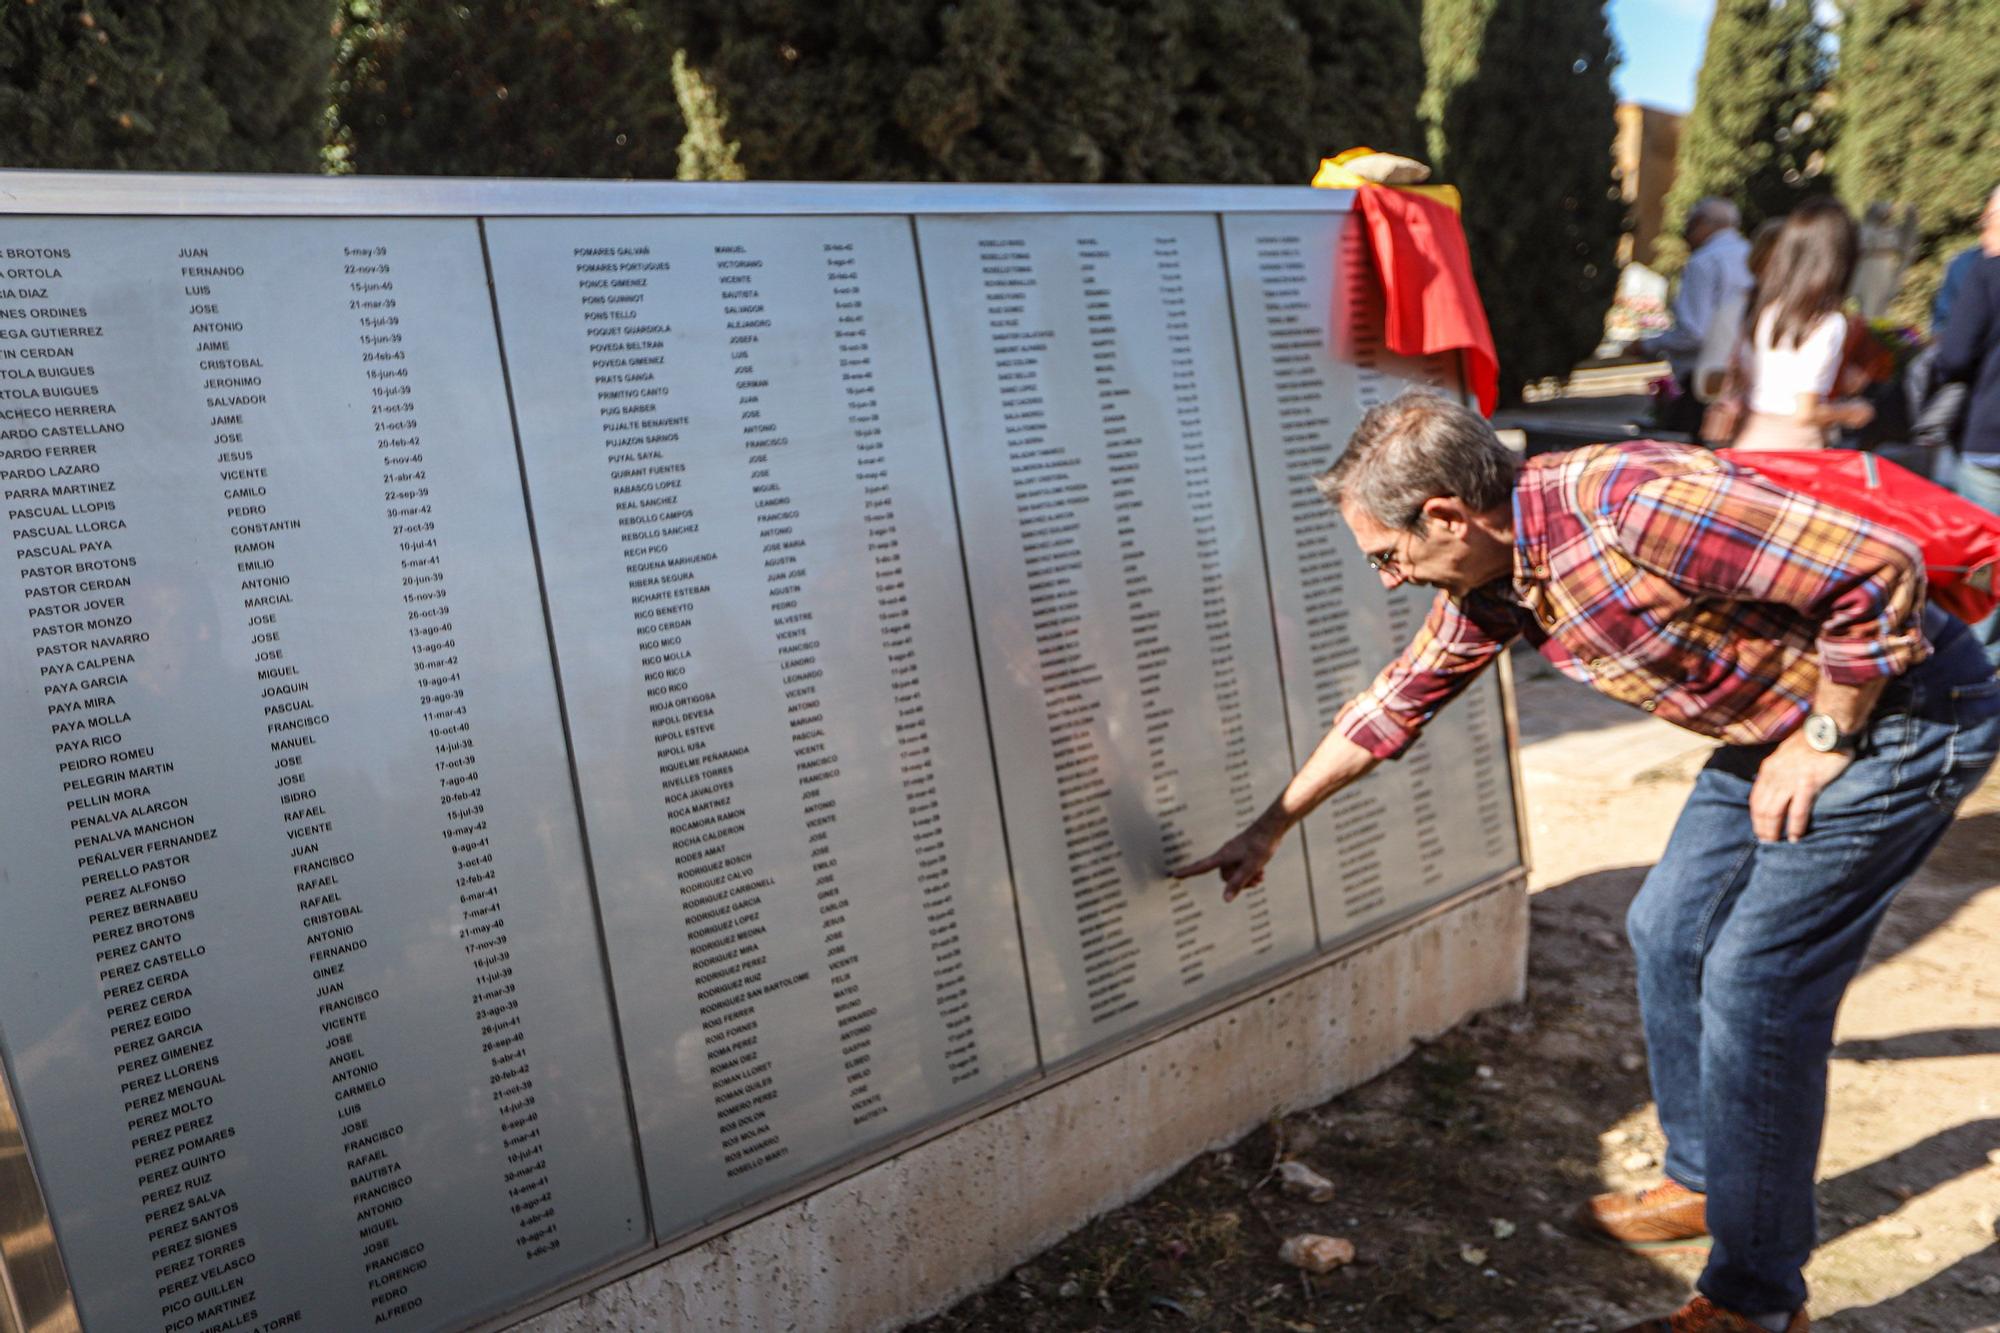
(1462, 762)
(1096, 431)
(141, 193)
(1309, 319)
(747, 532)
(35, 1295)
(301, 990)
(1511, 727)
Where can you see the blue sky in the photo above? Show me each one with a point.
(1662, 42)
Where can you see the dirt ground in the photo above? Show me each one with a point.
(1455, 1173)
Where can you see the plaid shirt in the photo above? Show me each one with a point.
(1664, 576)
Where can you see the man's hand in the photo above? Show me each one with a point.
(1241, 860)
(1334, 762)
(1788, 782)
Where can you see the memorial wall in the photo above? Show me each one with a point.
(301, 992)
(532, 734)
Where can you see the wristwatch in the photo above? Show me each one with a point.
(1824, 734)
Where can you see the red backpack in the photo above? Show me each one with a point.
(1960, 541)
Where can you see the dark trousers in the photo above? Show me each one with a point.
(1683, 415)
(1744, 949)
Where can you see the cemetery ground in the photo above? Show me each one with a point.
(1456, 1172)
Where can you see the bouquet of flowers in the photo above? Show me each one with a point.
(1901, 342)
(1877, 352)
(1633, 316)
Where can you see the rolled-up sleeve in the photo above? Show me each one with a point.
(1449, 649)
(1727, 534)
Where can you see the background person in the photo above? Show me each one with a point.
(1961, 265)
(1969, 351)
(1788, 363)
(1725, 331)
(1937, 404)
(1853, 721)
(1717, 270)
(1954, 278)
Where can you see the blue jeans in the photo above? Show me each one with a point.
(1980, 484)
(1744, 949)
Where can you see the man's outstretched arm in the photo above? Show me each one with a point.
(1449, 649)
(1335, 762)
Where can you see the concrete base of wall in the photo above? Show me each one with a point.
(915, 1232)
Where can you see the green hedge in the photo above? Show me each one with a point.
(1054, 90)
(164, 85)
(1521, 118)
(1919, 101)
(1761, 124)
(504, 88)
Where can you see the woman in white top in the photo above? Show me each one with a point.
(1718, 345)
(1788, 360)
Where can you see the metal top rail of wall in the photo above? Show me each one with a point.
(164, 195)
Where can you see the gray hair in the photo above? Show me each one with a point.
(1413, 448)
(1716, 211)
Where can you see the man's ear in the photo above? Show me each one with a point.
(1448, 510)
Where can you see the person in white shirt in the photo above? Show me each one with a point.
(1717, 270)
(1718, 347)
(1788, 360)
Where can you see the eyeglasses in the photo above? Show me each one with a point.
(1388, 562)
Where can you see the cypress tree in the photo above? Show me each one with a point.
(504, 88)
(196, 85)
(1054, 90)
(1368, 74)
(1521, 118)
(1761, 128)
(1918, 91)
(706, 153)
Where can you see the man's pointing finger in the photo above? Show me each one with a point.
(1239, 882)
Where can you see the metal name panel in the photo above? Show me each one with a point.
(1308, 315)
(300, 983)
(746, 525)
(1096, 428)
(513, 702)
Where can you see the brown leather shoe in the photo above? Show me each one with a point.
(1664, 1216)
(1700, 1315)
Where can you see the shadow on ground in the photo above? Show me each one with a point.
(1456, 1172)
(1918, 1307)
(1855, 1198)
(1940, 1043)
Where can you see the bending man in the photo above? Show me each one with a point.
(1853, 720)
